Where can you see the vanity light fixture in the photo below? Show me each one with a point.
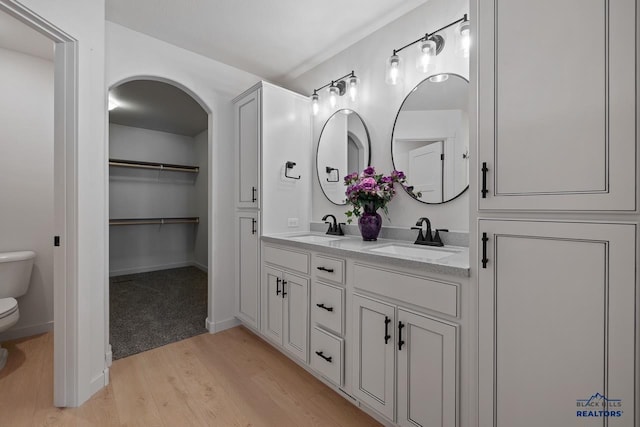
(334, 92)
(430, 45)
(464, 39)
(336, 88)
(315, 107)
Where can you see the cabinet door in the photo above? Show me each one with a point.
(374, 364)
(247, 267)
(296, 315)
(247, 152)
(427, 371)
(557, 303)
(557, 111)
(272, 304)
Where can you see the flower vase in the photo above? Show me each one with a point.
(370, 223)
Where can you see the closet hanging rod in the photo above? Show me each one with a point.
(151, 165)
(158, 221)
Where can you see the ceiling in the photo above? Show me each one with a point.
(14, 35)
(158, 106)
(276, 39)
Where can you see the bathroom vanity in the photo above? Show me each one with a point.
(379, 322)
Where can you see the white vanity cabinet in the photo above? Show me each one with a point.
(398, 348)
(328, 298)
(557, 111)
(285, 300)
(272, 127)
(558, 325)
(247, 256)
(247, 149)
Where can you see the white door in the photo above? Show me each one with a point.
(247, 122)
(557, 304)
(374, 354)
(563, 138)
(248, 261)
(427, 371)
(296, 315)
(272, 307)
(425, 170)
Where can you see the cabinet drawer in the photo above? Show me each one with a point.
(327, 304)
(327, 353)
(416, 290)
(329, 268)
(291, 260)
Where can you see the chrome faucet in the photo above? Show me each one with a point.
(427, 238)
(334, 228)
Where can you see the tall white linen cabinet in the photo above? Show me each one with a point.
(556, 212)
(272, 131)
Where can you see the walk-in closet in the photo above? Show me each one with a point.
(158, 216)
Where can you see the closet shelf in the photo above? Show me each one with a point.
(151, 165)
(159, 221)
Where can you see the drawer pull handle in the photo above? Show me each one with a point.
(327, 358)
(400, 341)
(321, 305)
(386, 329)
(328, 270)
(254, 191)
(284, 282)
(278, 280)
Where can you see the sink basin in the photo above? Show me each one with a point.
(416, 252)
(313, 238)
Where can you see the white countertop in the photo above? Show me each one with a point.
(456, 264)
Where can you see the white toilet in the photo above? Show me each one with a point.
(15, 274)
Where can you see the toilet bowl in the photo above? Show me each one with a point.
(15, 274)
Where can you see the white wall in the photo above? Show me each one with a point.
(378, 103)
(26, 180)
(145, 193)
(131, 54)
(201, 250)
(84, 21)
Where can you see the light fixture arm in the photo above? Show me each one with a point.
(428, 35)
(333, 82)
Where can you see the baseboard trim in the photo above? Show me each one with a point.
(108, 357)
(26, 331)
(146, 269)
(222, 325)
(200, 266)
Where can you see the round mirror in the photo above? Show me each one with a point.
(430, 139)
(343, 148)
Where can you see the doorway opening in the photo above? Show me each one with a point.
(158, 216)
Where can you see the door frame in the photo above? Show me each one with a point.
(65, 285)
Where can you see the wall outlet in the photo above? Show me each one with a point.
(292, 222)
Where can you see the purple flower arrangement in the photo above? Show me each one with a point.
(371, 191)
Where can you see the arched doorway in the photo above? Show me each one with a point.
(159, 236)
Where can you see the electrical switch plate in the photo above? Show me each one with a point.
(292, 222)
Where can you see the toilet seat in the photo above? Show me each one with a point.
(8, 306)
(9, 313)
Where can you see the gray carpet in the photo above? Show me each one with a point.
(149, 310)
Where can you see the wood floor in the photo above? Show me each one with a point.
(229, 379)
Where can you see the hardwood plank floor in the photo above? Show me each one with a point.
(228, 379)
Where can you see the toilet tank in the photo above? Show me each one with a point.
(15, 273)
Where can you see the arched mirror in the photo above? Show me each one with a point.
(343, 148)
(430, 139)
